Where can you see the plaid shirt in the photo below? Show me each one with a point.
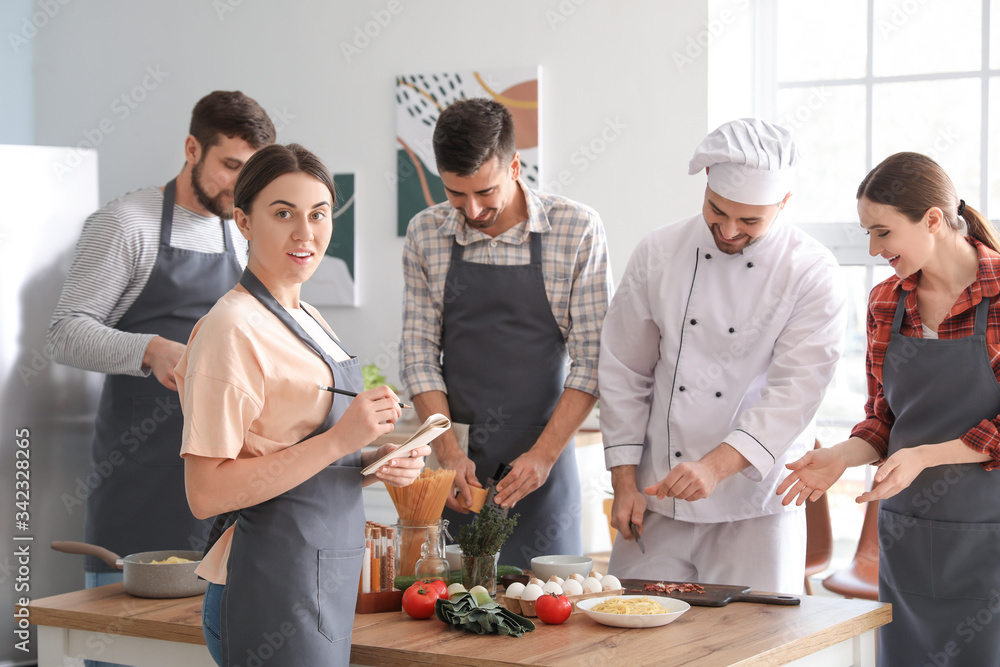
(984, 437)
(575, 269)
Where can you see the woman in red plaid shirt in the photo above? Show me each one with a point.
(932, 418)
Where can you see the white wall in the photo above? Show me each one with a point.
(20, 20)
(602, 61)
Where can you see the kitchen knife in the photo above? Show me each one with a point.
(638, 539)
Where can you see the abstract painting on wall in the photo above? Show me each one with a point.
(419, 100)
(333, 284)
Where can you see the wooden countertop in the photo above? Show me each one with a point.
(739, 633)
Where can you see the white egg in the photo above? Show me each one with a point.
(596, 575)
(538, 582)
(591, 585)
(556, 578)
(532, 592)
(572, 587)
(577, 577)
(610, 583)
(514, 590)
(552, 587)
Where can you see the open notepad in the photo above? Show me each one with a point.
(432, 427)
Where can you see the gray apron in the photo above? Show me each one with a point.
(504, 363)
(140, 503)
(939, 562)
(295, 560)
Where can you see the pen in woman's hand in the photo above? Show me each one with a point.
(352, 394)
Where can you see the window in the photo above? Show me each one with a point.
(856, 81)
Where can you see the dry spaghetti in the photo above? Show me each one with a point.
(643, 606)
(419, 504)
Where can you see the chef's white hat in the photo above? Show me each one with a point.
(751, 161)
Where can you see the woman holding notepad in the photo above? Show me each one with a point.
(264, 445)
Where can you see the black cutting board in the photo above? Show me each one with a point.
(715, 595)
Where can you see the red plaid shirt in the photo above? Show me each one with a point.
(985, 436)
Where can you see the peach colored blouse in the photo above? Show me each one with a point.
(247, 387)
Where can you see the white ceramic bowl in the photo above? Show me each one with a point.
(674, 608)
(561, 566)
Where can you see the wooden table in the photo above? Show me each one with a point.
(107, 623)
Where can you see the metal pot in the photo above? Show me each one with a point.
(143, 578)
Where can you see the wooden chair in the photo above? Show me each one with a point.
(608, 502)
(860, 579)
(819, 539)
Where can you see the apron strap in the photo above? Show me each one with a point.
(219, 526)
(982, 316)
(167, 216)
(535, 243)
(256, 288)
(457, 250)
(897, 319)
(536, 248)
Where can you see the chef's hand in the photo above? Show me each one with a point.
(527, 472)
(895, 474)
(692, 480)
(628, 507)
(404, 470)
(161, 357)
(370, 414)
(465, 478)
(811, 475)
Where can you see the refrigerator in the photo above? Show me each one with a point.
(47, 410)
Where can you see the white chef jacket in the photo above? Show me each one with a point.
(700, 347)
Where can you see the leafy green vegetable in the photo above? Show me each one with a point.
(485, 619)
(374, 377)
(485, 535)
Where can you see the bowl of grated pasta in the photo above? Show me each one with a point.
(633, 611)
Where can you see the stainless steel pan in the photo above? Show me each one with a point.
(142, 577)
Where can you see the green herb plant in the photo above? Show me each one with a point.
(485, 535)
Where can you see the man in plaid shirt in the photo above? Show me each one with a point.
(503, 284)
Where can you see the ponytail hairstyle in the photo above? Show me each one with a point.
(913, 183)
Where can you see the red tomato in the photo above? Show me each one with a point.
(440, 586)
(553, 609)
(419, 599)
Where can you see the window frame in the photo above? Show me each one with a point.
(848, 244)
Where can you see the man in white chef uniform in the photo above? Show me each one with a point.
(715, 353)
